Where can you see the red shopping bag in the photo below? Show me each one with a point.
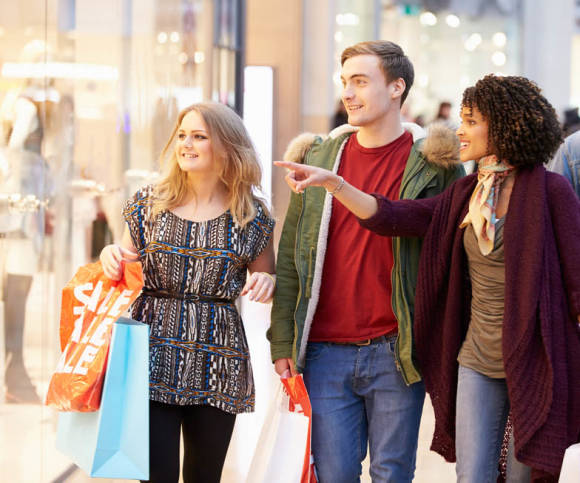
(283, 450)
(91, 302)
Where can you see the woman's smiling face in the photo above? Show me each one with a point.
(473, 135)
(193, 147)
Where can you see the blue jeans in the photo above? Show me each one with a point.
(359, 397)
(480, 419)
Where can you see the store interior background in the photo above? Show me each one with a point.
(88, 95)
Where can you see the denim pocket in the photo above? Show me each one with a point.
(390, 343)
(314, 350)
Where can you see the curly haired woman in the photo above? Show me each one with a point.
(498, 296)
(197, 232)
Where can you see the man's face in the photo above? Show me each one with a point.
(366, 94)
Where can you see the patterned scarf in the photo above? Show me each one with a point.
(483, 203)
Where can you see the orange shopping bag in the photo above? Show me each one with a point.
(90, 304)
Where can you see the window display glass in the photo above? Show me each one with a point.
(89, 92)
(227, 53)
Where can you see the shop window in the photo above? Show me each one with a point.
(228, 53)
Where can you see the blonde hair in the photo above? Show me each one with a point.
(240, 169)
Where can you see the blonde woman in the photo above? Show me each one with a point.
(197, 232)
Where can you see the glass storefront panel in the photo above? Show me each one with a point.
(354, 22)
(452, 44)
(228, 50)
(34, 144)
(89, 93)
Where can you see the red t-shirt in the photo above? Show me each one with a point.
(355, 295)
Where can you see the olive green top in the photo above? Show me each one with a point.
(482, 348)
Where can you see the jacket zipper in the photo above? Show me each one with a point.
(309, 278)
(296, 263)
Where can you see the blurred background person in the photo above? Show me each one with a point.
(444, 115)
(566, 161)
(419, 120)
(340, 116)
(571, 121)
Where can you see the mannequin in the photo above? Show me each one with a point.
(23, 172)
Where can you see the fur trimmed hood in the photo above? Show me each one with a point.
(441, 145)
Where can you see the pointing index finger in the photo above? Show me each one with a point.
(287, 164)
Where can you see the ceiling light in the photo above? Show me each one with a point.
(498, 58)
(59, 70)
(453, 21)
(473, 41)
(499, 39)
(347, 19)
(162, 37)
(428, 18)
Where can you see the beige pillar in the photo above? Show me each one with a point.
(274, 38)
(319, 64)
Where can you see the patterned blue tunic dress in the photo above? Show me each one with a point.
(193, 273)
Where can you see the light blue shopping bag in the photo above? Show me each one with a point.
(113, 442)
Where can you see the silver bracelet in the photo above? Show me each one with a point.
(338, 187)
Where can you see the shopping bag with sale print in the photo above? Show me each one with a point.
(283, 450)
(90, 304)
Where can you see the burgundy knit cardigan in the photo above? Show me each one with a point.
(541, 338)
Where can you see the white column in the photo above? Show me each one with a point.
(546, 47)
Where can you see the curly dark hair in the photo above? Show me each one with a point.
(523, 126)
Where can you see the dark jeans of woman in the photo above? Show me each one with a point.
(206, 436)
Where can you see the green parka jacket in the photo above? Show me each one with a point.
(432, 166)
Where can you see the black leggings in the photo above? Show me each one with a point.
(206, 435)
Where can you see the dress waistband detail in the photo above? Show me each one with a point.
(165, 294)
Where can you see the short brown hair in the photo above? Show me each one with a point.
(392, 61)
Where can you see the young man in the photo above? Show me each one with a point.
(343, 307)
